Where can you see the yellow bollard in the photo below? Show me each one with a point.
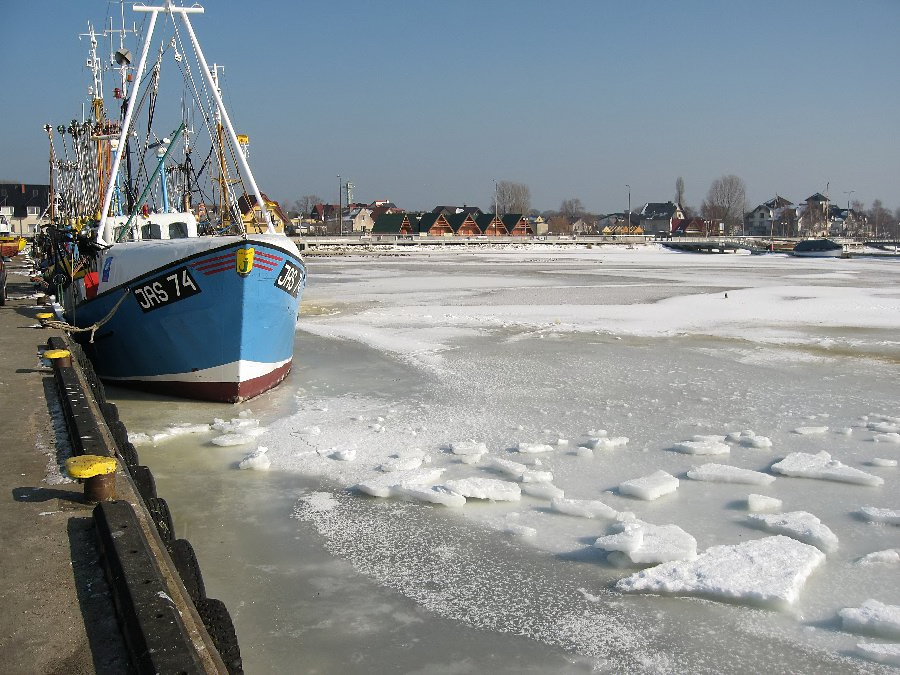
(98, 474)
(61, 358)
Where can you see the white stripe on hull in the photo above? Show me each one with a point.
(236, 371)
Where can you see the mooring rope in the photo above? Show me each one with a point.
(93, 328)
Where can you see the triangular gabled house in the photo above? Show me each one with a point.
(463, 224)
(516, 225)
(434, 225)
(491, 225)
(395, 223)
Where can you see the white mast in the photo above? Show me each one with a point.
(126, 126)
(184, 11)
(169, 8)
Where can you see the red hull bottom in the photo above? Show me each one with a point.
(224, 392)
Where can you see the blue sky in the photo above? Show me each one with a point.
(428, 103)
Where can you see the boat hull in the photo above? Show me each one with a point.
(216, 324)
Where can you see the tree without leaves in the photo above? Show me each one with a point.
(726, 202)
(512, 197)
(571, 208)
(304, 205)
(679, 191)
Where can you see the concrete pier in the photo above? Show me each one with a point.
(87, 588)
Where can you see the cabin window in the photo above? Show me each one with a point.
(178, 230)
(145, 231)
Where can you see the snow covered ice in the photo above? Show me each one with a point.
(536, 444)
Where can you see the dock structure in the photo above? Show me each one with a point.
(715, 244)
(93, 580)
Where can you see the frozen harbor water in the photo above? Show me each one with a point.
(558, 460)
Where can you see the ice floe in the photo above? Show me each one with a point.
(485, 488)
(650, 487)
(258, 460)
(878, 515)
(542, 490)
(748, 439)
(634, 541)
(883, 462)
(534, 448)
(518, 471)
(723, 473)
(811, 431)
(891, 437)
(703, 445)
(887, 653)
(583, 508)
(800, 525)
(890, 556)
(757, 502)
(873, 618)
(390, 484)
(820, 465)
(769, 571)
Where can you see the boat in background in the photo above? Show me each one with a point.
(818, 248)
(10, 244)
(157, 299)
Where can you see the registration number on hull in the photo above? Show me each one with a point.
(165, 289)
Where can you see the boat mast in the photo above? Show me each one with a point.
(126, 127)
(232, 136)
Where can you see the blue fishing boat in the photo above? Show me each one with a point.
(160, 300)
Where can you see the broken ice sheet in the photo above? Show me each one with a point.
(769, 572)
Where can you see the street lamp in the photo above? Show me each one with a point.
(629, 208)
(848, 193)
(340, 220)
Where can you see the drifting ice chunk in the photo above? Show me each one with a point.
(873, 618)
(468, 448)
(542, 490)
(763, 503)
(884, 427)
(583, 508)
(507, 467)
(403, 462)
(820, 465)
(889, 556)
(533, 448)
(138, 438)
(519, 472)
(884, 462)
(650, 487)
(606, 443)
(799, 525)
(810, 431)
(877, 515)
(723, 473)
(434, 494)
(703, 445)
(749, 439)
(486, 488)
(891, 437)
(644, 543)
(247, 436)
(258, 459)
(236, 424)
(520, 530)
(388, 484)
(769, 571)
(882, 653)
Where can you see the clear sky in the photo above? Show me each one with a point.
(428, 103)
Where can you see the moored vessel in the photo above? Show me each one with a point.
(159, 298)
